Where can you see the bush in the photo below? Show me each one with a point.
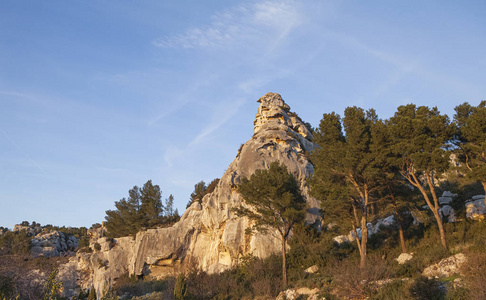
(130, 285)
(475, 275)
(396, 290)
(17, 243)
(180, 289)
(7, 287)
(352, 281)
(97, 246)
(424, 288)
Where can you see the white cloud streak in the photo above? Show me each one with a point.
(240, 25)
(23, 153)
(219, 118)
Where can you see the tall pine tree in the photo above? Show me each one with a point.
(470, 122)
(346, 169)
(421, 138)
(274, 202)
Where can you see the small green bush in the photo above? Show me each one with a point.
(423, 288)
(97, 246)
(180, 289)
(395, 290)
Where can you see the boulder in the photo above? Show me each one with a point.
(446, 267)
(312, 270)
(372, 229)
(403, 258)
(448, 212)
(475, 208)
(293, 294)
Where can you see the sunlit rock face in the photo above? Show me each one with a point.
(209, 236)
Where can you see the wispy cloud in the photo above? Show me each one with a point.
(172, 153)
(240, 25)
(405, 66)
(23, 153)
(220, 117)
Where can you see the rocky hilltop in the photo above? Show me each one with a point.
(209, 236)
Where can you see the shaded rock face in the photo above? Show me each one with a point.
(209, 236)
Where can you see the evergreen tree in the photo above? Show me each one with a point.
(143, 208)
(470, 122)
(347, 170)
(151, 204)
(126, 219)
(169, 206)
(274, 201)
(393, 192)
(198, 193)
(212, 185)
(421, 137)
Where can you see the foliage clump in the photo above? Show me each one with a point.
(142, 209)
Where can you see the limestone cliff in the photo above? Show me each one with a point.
(209, 236)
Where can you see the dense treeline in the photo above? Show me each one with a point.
(364, 160)
(142, 209)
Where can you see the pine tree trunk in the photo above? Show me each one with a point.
(364, 240)
(400, 232)
(399, 221)
(284, 264)
(356, 223)
(435, 210)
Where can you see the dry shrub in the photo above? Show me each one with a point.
(423, 288)
(263, 286)
(474, 271)
(355, 283)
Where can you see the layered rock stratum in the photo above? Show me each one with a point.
(209, 236)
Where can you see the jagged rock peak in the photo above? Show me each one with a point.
(274, 114)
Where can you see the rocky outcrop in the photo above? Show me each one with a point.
(30, 229)
(446, 267)
(209, 236)
(294, 294)
(475, 208)
(52, 244)
(372, 230)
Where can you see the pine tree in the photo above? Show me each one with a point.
(142, 209)
(470, 122)
(198, 193)
(421, 137)
(347, 170)
(151, 207)
(169, 206)
(274, 201)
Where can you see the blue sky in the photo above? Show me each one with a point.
(99, 96)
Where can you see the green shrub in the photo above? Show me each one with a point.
(97, 246)
(395, 290)
(7, 287)
(180, 289)
(458, 293)
(423, 288)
